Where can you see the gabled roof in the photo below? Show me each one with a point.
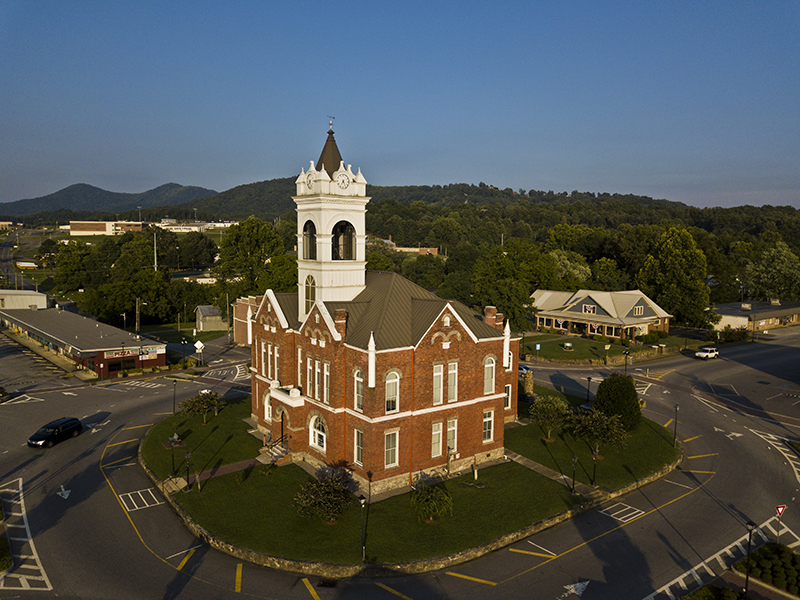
(396, 311)
(330, 157)
(616, 307)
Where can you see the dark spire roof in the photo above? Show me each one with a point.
(330, 156)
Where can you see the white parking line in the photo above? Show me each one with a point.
(26, 572)
(622, 512)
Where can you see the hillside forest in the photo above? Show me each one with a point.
(495, 247)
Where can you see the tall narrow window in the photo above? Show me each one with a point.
(452, 435)
(275, 364)
(452, 382)
(319, 433)
(358, 454)
(263, 358)
(438, 383)
(267, 407)
(436, 440)
(317, 380)
(359, 389)
(392, 392)
(488, 375)
(488, 425)
(299, 367)
(309, 377)
(326, 383)
(343, 240)
(311, 293)
(309, 241)
(391, 449)
(507, 399)
(269, 361)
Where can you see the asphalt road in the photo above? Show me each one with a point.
(107, 534)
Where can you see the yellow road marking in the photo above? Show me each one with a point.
(668, 423)
(136, 427)
(594, 539)
(471, 578)
(120, 443)
(701, 472)
(118, 461)
(185, 560)
(531, 553)
(311, 589)
(238, 586)
(704, 455)
(395, 592)
(692, 439)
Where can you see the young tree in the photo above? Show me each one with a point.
(202, 403)
(596, 428)
(325, 498)
(549, 412)
(616, 395)
(431, 501)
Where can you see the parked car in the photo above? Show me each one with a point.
(706, 353)
(55, 431)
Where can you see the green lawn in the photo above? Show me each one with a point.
(552, 347)
(222, 441)
(645, 451)
(259, 515)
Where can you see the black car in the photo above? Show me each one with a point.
(55, 431)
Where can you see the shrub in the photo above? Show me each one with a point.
(202, 403)
(616, 395)
(431, 501)
(325, 498)
(549, 412)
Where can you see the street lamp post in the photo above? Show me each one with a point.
(626, 353)
(125, 321)
(363, 501)
(123, 359)
(187, 456)
(594, 468)
(750, 527)
(588, 388)
(174, 384)
(183, 362)
(675, 439)
(574, 462)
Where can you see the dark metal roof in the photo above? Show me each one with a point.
(330, 157)
(84, 336)
(393, 309)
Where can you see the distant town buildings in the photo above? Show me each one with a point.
(84, 228)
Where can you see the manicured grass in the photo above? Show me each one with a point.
(646, 450)
(168, 332)
(259, 514)
(224, 440)
(585, 349)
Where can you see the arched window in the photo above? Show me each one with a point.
(319, 434)
(392, 392)
(343, 240)
(488, 375)
(358, 380)
(268, 407)
(309, 241)
(311, 293)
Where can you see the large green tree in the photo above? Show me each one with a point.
(616, 395)
(775, 275)
(674, 276)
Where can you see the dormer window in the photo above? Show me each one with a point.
(589, 309)
(638, 311)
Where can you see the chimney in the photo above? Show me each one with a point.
(498, 321)
(340, 319)
(490, 315)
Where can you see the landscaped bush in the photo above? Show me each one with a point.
(431, 501)
(775, 565)
(616, 395)
(325, 498)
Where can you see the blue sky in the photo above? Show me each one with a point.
(697, 102)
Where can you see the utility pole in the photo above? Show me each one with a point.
(155, 253)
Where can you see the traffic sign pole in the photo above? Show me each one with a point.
(779, 509)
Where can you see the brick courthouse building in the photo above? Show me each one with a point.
(365, 369)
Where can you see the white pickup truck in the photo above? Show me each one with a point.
(706, 353)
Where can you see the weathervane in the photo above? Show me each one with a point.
(330, 122)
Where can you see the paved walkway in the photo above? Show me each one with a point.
(581, 488)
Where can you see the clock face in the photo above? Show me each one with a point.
(342, 180)
(310, 180)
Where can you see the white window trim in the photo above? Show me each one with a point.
(317, 380)
(490, 420)
(507, 398)
(436, 431)
(438, 384)
(452, 425)
(269, 361)
(452, 386)
(275, 368)
(314, 433)
(395, 433)
(356, 434)
(358, 382)
(392, 377)
(488, 362)
(326, 383)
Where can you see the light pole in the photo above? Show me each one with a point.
(174, 383)
(750, 527)
(124, 321)
(183, 362)
(626, 353)
(123, 359)
(675, 439)
(363, 501)
(187, 456)
(594, 468)
(588, 387)
(574, 462)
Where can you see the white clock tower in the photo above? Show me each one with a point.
(331, 230)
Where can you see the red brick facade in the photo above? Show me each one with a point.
(481, 405)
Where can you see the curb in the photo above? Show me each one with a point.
(339, 571)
